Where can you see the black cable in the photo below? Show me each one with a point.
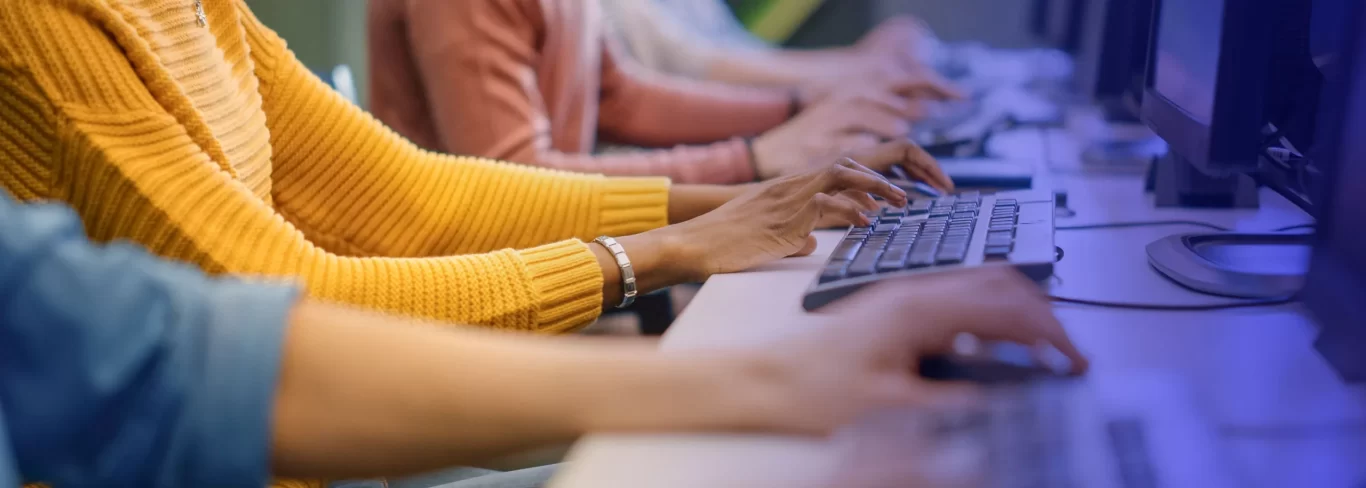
(1294, 227)
(1157, 307)
(1153, 223)
(1160, 223)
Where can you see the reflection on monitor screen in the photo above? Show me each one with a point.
(1188, 39)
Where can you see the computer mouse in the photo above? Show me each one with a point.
(993, 363)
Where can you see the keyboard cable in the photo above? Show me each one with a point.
(1169, 223)
(1159, 307)
(1150, 223)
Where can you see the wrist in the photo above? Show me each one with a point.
(761, 152)
(663, 257)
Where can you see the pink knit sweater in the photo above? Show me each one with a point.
(537, 82)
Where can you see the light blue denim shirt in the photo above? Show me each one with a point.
(119, 369)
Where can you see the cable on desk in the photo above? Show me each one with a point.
(1159, 307)
(1151, 223)
(1289, 228)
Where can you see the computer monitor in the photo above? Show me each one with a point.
(1335, 290)
(1038, 18)
(1233, 90)
(1211, 62)
(1063, 23)
(1112, 59)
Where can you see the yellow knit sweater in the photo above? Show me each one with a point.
(214, 145)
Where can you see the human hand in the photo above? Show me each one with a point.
(918, 163)
(832, 127)
(878, 78)
(860, 355)
(898, 39)
(775, 219)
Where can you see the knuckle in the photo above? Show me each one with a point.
(834, 171)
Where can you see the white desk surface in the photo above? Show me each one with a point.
(1253, 372)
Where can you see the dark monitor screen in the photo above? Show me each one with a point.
(1189, 37)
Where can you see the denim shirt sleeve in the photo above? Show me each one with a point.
(118, 369)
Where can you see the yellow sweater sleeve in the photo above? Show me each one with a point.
(342, 176)
(79, 124)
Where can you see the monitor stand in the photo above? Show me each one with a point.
(1233, 264)
(1178, 183)
(1239, 265)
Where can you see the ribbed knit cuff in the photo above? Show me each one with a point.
(633, 205)
(567, 282)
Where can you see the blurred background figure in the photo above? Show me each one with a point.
(703, 39)
(539, 82)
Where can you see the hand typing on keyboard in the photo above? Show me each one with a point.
(775, 219)
(907, 160)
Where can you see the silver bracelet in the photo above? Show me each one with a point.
(628, 274)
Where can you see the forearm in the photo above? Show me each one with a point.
(683, 111)
(442, 397)
(778, 68)
(689, 201)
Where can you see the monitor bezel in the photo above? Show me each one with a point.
(1231, 143)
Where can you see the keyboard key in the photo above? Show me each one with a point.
(963, 215)
(946, 200)
(864, 264)
(997, 251)
(1129, 444)
(846, 250)
(948, 258)
(894, 259)
(886, 227)
(832, 272)
(919, 260)
(894, 212)
(920, 205)
(999, 240)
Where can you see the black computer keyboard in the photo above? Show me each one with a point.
(1031, 439)
(967, 229)
(1025, 432)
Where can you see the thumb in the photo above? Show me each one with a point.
(807, 248)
